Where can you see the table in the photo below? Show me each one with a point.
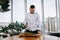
(24, 37)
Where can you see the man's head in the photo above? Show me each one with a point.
(32, 9)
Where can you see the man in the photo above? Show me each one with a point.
(32, 21)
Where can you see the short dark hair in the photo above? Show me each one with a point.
(32, 6)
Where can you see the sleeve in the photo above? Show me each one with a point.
(38, 22)
(25, 21)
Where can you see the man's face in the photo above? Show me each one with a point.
(32, 10)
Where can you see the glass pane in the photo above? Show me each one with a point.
(5, 16)
(50, 15)
(58, 15)
(18, 10)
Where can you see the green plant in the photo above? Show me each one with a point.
(4, 5)
(4, 29)
(13, 26)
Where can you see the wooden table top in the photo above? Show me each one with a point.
(21, 38)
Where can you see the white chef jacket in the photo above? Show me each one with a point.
(33, 21)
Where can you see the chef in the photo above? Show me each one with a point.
(32, 21)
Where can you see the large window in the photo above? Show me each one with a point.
(50, 15)
(49, 8)
(6, 16)
(18, 10)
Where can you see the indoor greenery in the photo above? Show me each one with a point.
(4, 5)
(13, 27)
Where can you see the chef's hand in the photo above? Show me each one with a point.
(39, 32)
(26, 25)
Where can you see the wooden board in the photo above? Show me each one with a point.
(29, 35)
(30, 38)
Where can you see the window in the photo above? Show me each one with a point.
(50, 15)
(6, 16)
(18, 10)
(49, 8)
